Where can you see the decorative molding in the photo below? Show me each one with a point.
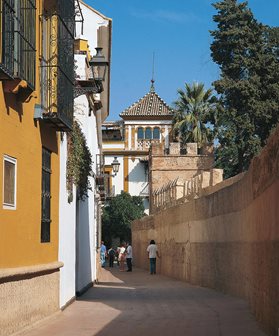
(27, 270)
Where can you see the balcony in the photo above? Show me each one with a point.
(18, 52)
(145, 144)
(57, 64)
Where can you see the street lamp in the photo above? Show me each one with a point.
(99, 64)
(115, 165)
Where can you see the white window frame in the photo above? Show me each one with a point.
(13, 161)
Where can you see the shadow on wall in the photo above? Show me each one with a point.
(83, 247)
(138, 173)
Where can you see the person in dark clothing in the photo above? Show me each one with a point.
(111, 255)
(129, 256)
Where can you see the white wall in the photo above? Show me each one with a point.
(86, 223)
(117, 180)
(78, 227)
(92, 22)
(67, 233)
(138, 178)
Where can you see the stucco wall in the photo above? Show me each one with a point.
(67, 233)
(227, 240)
(138, 176)
(27, 295)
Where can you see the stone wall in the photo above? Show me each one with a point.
(27, 295)
(164, 168)
(228, 239)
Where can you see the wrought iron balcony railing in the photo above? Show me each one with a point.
(57, 64)
(18, 56)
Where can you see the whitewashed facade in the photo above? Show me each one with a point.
(147, 121)
(80, 220)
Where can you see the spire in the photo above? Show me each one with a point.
(152, 88)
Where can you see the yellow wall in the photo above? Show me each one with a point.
(22, 138)
(126, 173)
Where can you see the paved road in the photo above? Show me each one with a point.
(140, 304)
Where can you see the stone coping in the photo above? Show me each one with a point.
(26, 270)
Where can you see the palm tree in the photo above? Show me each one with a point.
(193, 110)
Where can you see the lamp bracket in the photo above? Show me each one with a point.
(90, 86)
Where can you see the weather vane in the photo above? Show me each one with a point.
(152, 88)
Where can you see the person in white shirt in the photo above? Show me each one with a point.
(122, 257)
(152, 253)
(129, 256)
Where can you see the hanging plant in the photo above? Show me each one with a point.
(79, 164)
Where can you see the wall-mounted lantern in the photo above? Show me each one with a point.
(115, 165)
(99, 64)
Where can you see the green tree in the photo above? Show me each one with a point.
(118, 214)
(193, 110)
(247, 53)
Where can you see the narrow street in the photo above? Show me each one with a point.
(138, 303)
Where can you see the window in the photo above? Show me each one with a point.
(19, 40)
(140, 133)
(46, 196)
(148, 133)
(156, 133)
(9, 190)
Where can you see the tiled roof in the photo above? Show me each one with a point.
(149, 105)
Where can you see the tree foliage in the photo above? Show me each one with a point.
(118, 214)
(193, 110)
(247, 53)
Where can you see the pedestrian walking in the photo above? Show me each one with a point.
(103, 254)
(111, 256)
(152, 252)
(129, 256)
(121, 257)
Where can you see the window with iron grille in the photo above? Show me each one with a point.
(46, 196)
(57, 62)
(19, 40)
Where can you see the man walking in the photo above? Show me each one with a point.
(152, 254)
(129, 256)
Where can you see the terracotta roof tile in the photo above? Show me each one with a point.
(149, 105)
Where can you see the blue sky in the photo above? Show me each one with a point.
(177, 31)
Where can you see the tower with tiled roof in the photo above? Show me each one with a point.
(147, 121)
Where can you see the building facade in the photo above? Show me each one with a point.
(79, 230)
(36, 98)
(146, 122)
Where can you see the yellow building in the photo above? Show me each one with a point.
(36, 101)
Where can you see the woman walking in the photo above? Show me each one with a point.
(122, 257)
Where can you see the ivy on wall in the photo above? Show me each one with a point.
(79, 164)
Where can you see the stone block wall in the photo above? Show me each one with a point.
(228, 239)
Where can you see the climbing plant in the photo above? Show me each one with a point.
(79, 164)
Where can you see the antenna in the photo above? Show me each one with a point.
(152, 88)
